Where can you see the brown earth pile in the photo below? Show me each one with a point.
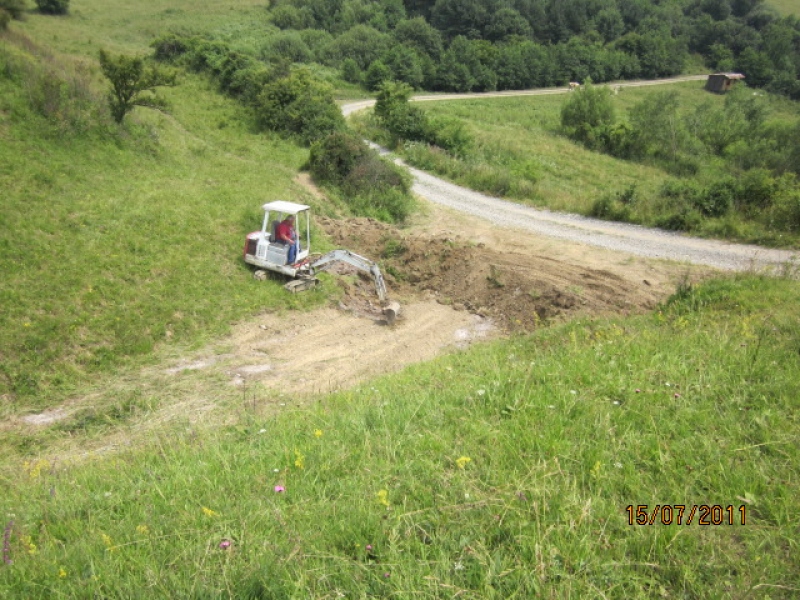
(517, 291)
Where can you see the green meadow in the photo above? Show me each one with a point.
(513, 469)
(648, 457)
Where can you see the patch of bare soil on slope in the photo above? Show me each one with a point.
(518, 291)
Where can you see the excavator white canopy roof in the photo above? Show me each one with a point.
(287, 208)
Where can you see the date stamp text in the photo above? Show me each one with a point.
(686, 514)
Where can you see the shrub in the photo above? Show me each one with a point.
(14, 8)
(586, 114)
(5, 19)
(351, 72)
(299, 105)
(287, 44)
(615, 207)
(53, 7)
(449, 134)
(371, 185)
(717, 199)
(377, 74)
(333, 158)
(170, 46)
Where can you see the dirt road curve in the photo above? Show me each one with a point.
(635, 240)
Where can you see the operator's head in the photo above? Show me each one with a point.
(290, 218)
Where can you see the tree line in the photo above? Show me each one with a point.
(482, 45)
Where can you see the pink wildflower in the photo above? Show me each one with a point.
(279, 489)
(225, 544)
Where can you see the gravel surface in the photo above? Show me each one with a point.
(633, 239)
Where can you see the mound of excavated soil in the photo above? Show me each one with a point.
(517, 291)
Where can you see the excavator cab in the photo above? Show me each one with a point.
(262, 248)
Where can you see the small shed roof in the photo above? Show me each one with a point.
(287, 208)
(730, 75)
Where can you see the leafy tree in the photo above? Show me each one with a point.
(53, 7)
(505, 23)
(419, 34)
(288, 16)
(609, 23)
(350, 71)
(133, 83)
(468, 65)
(756, 66)
(586, 114)
(406, 66)
(460, 17)
(362, 43)
(299, 105)
(15, 9)
(658, 128)
(376, 74)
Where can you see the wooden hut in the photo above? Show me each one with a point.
(720, 83)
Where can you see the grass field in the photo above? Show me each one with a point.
(786, 7)
(505, 471)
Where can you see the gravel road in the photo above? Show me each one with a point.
(633, 239)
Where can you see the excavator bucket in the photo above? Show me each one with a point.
(390, 312)
(300, 285)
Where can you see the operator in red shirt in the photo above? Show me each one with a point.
(285, 234)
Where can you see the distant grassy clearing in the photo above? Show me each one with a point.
(786, 7)
(131, 27)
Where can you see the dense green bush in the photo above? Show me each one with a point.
(53, 7)
(615, 207)
(587, 114)
(377, 74)
(351, 71)
(5, 19)
(406, 122)
(14, 8)
(299, 105)
(370, 185)
(332, 158)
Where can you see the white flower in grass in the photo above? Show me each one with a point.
(480, 392)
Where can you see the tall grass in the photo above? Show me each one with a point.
(500, 472)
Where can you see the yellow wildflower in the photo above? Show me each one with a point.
(209, 513)
(318, 432)
(108, 542)
(34, 469)
(299, 460)
(62, 572)
(143, 529)
(28, 544)
(383, 497)
(462, 461)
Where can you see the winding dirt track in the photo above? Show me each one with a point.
(631, 239)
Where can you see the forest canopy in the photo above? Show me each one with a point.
(480, 45)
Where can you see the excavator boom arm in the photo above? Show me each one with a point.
(361, 263)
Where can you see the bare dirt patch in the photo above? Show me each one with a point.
(518, 290)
